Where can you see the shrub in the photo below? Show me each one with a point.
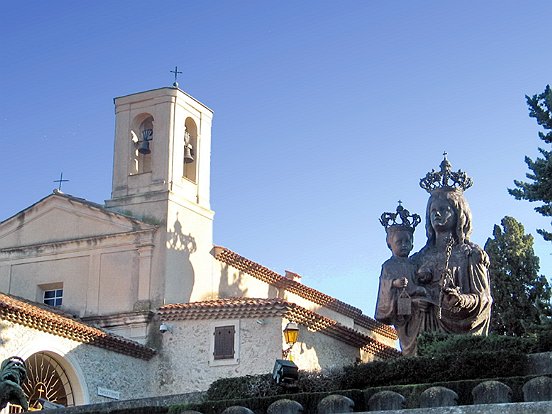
(243, 387)
(430, 344)
(440, 367)
(442, 358)
(264, 386)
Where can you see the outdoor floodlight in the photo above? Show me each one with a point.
(285, 371)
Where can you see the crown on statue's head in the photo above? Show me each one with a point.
(446, 178)
(407, 221)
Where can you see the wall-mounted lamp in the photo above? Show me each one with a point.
(291, 333)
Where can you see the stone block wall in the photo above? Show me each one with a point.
(87, 367)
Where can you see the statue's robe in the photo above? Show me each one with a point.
(408, 326)
(469, 266)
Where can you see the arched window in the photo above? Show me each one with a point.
(190, 150)
(142, 143)
(46, 380)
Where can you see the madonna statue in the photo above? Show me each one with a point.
(453, 269)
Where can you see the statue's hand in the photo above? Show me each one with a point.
(400, 283)
(424, 277)
(451, 298)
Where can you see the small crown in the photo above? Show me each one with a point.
(407, 221)
(440, 179)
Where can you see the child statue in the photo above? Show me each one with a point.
(400, 300)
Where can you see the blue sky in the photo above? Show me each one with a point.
(326, 113)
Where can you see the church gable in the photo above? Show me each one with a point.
(61, 217)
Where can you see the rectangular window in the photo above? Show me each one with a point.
(224, 342)
(53, 297)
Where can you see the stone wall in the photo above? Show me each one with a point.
(186, 360)
(315, 351)
(87, 367)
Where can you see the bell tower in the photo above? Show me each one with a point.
(161, 175)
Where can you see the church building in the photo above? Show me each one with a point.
(131, 298)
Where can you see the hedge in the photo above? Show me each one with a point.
(441, 358)
(441, 367)
(430, 344)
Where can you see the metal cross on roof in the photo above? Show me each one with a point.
(176, 72)
(60, 181)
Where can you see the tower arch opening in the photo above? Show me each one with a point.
(190, 150)
(142, 143)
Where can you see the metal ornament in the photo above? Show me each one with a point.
(176, 73)
(188, 149)
(404, 304)
(446, 282)
(147, 136)
(188, 154)
(60, 181)
(407, 221)
(446, 178)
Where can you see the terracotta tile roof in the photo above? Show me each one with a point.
(269, 276)
(51, 320)
(233, 308)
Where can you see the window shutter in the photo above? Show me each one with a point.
(224, 342)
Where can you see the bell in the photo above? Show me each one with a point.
(144, 147)
(188, 154)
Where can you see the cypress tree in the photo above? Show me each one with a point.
(539, 188)
(521, 296)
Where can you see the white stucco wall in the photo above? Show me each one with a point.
(231, 283)
(186, 363)
(87, 366)
(315, 351)
(101, 278)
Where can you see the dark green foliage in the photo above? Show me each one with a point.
(434, 343)
(243, 387)
(438, 343)
(443, 358)
(543, 337)
(540, 340)
(309, 401)
(499, 359)
(442, 367)
(521, 296)
(264, 386)
(539, 188)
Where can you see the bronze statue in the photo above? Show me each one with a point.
(12, 375)
(453, 270)
(401, 302)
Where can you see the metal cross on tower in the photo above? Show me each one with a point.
(176, 72)
(60, 181)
